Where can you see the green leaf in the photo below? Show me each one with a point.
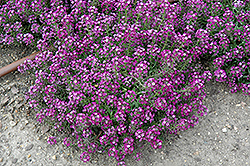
(136, 104)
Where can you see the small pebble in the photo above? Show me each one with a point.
(8, 152)
(1, 159)
(4, 101)
(229, 126)
(20, 98)
(14, 90)
(10, 117)
(29, 147)
(44, 129)
(54, 157)
(14, 160)
(29, 156)
(12, 123)
(224, 130)
(21, 127)
(19, 105)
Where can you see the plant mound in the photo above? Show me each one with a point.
(127, 71)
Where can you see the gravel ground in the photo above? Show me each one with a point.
(221, 137)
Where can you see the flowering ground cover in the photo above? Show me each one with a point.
(127, 71)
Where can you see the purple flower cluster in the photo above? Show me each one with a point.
(127, 71)
(51, 140)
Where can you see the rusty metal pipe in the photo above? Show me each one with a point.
(13, 66)
(171, 1)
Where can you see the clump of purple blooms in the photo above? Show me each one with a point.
(127, 71)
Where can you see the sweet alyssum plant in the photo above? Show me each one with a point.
(127, 71)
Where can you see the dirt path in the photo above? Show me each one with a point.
(221, 138)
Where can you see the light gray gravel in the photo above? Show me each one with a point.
(221, 137)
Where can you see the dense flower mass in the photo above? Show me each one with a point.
(127, 71)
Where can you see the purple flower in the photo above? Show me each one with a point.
(221, 75)
(138, 156)
(84, 157)
(140, 135)
(122, 163)
(112, 152)
(66, 141)
(51, 140)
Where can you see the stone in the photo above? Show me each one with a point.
(229, 127)
(10, 117)
(1, 159)
(19, 105)
(12, 123)
(8, 152)
(14, 90)
(20, 99)
(10, 102)
(14, 160)
(4, 101)
(3, 139)
(30, 126)
(66, 157)
(36, 130)
(21, 127)
(44, 129)
(224, 130)
(197, 159)
(9, 108)
(29, 147)
(54, 157)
